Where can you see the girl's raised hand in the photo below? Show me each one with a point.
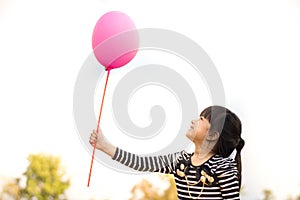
(101, 142)
(98, 139)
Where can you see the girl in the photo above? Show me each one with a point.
(208, 172)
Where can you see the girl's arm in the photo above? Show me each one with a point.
(228, 180)
(162, 164)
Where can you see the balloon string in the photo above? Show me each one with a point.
(98, 125)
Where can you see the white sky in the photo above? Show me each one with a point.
(255, 47)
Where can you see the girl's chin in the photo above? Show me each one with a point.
(190, 134)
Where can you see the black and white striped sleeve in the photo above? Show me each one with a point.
(228, 179)
(163, 164)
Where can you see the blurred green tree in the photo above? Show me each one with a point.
(45, 180)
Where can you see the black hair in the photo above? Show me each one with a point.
(229, 126)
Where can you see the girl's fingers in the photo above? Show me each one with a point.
(94, 135)
(93, 138)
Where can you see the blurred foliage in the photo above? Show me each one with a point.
(145, 190)
(268, 194)
(11, 190)
(44, 180)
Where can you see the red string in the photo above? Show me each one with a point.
(98, 125)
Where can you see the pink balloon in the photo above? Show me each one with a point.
(115, 40)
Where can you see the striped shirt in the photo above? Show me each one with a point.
(220, 174)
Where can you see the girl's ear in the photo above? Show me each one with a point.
(213, 136)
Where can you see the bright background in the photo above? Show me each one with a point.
(255, 46)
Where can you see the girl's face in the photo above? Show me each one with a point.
(198, 129)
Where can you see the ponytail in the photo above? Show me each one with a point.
(239, 160)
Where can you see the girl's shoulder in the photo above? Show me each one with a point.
(220, 164)
(215, 160)
(215, 163)
(222, 160)
(183, 155)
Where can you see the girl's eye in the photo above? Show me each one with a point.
(201, 118)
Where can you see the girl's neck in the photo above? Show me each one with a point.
(201, 155)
